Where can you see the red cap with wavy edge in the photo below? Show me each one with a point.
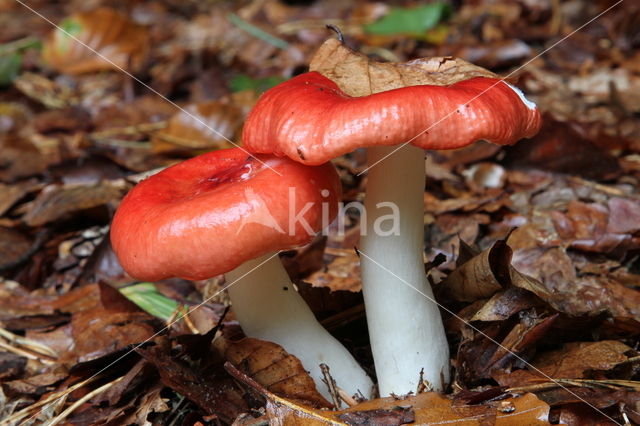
(310, 120)
(208, 215)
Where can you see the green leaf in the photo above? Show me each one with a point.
(150, 300)
(415, 20)
(244, 82)
(69, 27)
(9, 68)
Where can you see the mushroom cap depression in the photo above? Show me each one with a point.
(310, 120)
(209, 214)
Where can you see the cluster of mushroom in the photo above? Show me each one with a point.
(230, 212)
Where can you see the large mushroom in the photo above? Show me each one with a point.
(227, 212)
(311, 120)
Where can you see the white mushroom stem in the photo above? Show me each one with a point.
(268, 307)
(405, 327)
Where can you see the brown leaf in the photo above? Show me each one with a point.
(481, 276)
(427, 408)
(272, 367)
(186, 132)
(104, 30)
(357, 75)
(212, 391)
(9, 194)
(342, 273)
(504, 304)
(99, 332)
(574, 359)
(56, 201)
(14, 245)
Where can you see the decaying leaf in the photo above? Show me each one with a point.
(425, 408)
(357, 75)
(487, 273)
(272, 367)
(192, 129)
(104, 30)
(14, 245)
(575, 359)
(56, 201)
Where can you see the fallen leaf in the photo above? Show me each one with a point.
(426, 408)
(10, 194)
(272, 367)
(574, 360)
(208, 387)
(192, 128)
(357, 75)
(55, 201)
(111, 34)
(14, 247)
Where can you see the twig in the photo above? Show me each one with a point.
(346, 397)
(25, 411)
(581, 383)
(331, 385)
(60, 417)
(30, 343)
(257, 32)
(45, 359)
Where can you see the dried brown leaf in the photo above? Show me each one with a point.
(191, 128)
(481, 276)
(56, 201)
(427, 408)
(14, 245)
(357, 75)
(9, 194)
(574, 359)
(272, 367)
(114, 36)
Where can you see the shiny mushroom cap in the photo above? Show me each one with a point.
(209, 214)
(310, 120)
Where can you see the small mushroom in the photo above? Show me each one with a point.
(228, 213)
(310, 120)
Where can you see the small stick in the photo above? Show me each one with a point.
(331, 385)
(45, 359)
(33, 345)
(346, 397)
(25, 411)
(338, 32)
(60, 417)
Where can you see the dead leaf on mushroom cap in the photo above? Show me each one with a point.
(104, 30)
(357, 75)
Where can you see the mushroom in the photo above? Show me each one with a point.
(311, 120)
(226, 212)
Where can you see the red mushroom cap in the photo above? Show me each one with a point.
(310, 120)
(208, 215)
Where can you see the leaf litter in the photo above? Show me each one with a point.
(536, 246)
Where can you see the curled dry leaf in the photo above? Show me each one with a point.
(56, 201)
(215, 123)
(488, 272)
(425, 408)
(112, 35)
(357, 75)
(272, 367)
